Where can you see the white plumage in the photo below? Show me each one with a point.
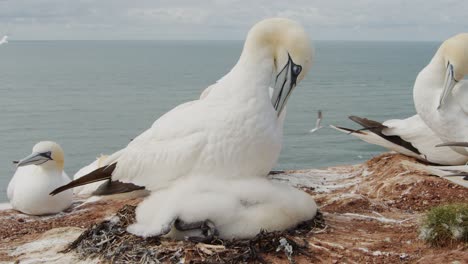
(192, 156)
(239, 208)
(416, 132)
(36, 176)
(234, 131)
(441, 95)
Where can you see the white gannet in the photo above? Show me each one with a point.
(234, 131)
(441, 95)
(110, 187)
(410, 136)
(317, 123)
(36, 176)
(4, 40)
(228, 208)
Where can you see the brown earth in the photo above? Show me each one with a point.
(371, 213)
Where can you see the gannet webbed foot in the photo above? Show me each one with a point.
(207, 228)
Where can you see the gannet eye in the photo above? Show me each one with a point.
(296, 69)
(47, 154)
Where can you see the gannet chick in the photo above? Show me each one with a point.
(410, 137)
(238, 208)
(36, 176)
(234, 131)
(441, 94)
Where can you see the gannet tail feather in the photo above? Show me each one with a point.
(114, 187)
(100, 174)
(377, 128)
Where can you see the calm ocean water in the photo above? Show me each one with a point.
(93, 97)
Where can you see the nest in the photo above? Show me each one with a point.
(110, 242)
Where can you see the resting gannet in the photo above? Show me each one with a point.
(36, 176)
(409, 137)
(441, 95)
(226, 208)
(233, 132)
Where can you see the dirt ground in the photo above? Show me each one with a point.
(371, 212)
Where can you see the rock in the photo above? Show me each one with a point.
(371, 213)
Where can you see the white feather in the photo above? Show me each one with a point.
(28, 191)
(416, 132)
(239, 208)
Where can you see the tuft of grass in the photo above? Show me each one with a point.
(445, 225)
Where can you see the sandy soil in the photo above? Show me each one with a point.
(372, 213)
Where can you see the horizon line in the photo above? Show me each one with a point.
(240, 40)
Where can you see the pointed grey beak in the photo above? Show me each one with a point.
(35, 158)
(453, 144)
(285, 83)
(448, 85)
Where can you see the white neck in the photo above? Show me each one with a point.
(249, 78)
(429, 85)
(51, 166)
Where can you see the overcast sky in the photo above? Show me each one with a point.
(230, 19)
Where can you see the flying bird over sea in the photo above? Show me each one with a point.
(36, 176)
(4, 40)
(410, 137)
(317, 123)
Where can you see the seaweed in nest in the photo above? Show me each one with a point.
(110, 242)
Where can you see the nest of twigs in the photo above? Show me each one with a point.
(110, 242)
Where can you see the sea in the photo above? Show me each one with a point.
(93, 97)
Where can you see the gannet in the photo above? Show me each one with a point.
(36, 176)
(441, 95)
(234, 132)
(98, 188)
(410, 136)
(227, 208)
(4, 40)
(317, 123)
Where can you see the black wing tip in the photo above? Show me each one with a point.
(58, 190)
(349, 130)
(99, 174)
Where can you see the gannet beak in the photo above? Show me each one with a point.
(448, 85)
(453, 144)
(285, 82)
(35, 158)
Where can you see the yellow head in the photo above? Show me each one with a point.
(284, 44)
(45, 153)
(454, 53)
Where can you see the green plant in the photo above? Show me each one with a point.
(445, 225)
